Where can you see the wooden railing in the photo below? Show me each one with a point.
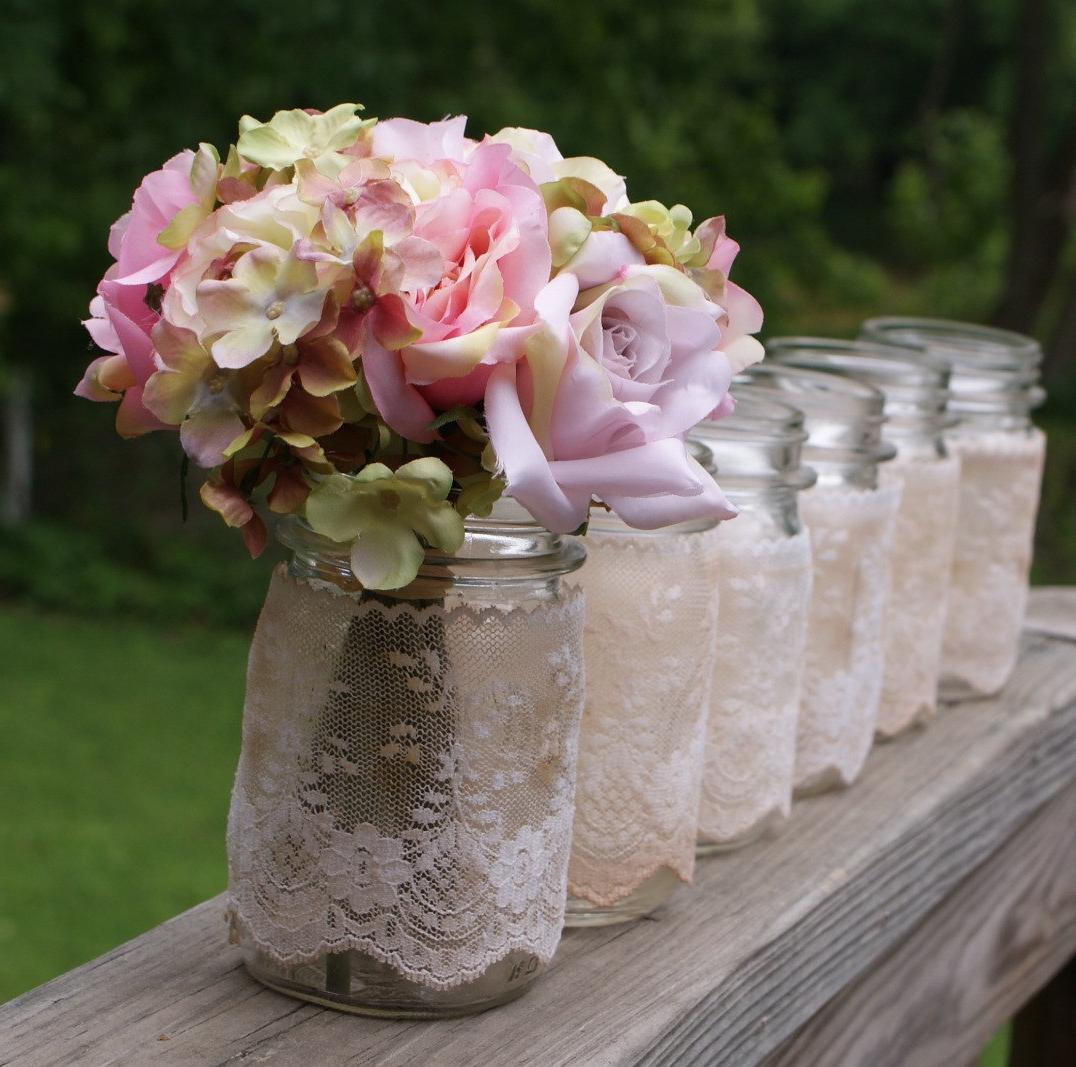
(896, 924)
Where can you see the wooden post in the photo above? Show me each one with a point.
(18, 449)
(1044, 1030)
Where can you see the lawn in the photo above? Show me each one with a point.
(119, 746)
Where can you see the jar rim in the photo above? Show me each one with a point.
(818, 392)
(915, 390)
(758, 413)
(958, 343)
(993, 371)
(842, 416)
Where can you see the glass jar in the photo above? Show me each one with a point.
(929, 480)
(764, 591)
(850, 518)
(650, 641)
(993, 389)
(400, 824)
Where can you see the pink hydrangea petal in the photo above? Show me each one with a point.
(133, 418)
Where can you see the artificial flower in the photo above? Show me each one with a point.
(383, 513)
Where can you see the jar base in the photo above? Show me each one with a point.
(376, 989)
(766, 828)
(637, 905)
(956, 690)
(830, 781)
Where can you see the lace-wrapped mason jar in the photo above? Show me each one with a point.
(993, 388)
(650, 641)
(764, 591)
(929, 478)
(850, 518)
(400, 824)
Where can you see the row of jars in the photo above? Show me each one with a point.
(887, 491)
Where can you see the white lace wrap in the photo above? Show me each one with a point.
(1000, 479)
(764, 589)
(406, 780)
(851, 534)
(921, 562)
(650, 640)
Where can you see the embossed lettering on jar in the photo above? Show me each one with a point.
(928, 476)
(650, 643)
(764, 588)
(851, 519)
(993, 388)
(399, 830)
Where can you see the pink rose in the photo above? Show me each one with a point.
(602, 412)
(120, 323)
(429, 349)
(140, 258)
(421, 142)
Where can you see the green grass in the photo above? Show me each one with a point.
(119, 743)
(996, 1054)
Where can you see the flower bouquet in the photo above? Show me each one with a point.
(435, 354)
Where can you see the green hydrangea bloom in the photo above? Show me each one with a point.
(383, 513)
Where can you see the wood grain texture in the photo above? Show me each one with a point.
(728, 971)
(938, 996)
(1051, 609)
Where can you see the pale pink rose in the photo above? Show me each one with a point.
(140, 258)
(429, 349)
(562, 433)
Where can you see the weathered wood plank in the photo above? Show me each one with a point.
(725, 974)
(1052, 610)
(937, 997)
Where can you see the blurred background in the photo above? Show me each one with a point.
(917, 156)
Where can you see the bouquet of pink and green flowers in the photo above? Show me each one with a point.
(384, 326)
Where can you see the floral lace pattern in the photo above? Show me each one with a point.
(851, 534)
(406, 781)
(1000, 479)
(650, 637)
(764, 590)
(921, 562)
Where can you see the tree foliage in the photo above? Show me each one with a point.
(863, 153)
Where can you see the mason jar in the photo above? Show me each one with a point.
(400, 824)
(850, 517)
(993, 389)
(650, 641)
(928, 475)
(764, 591)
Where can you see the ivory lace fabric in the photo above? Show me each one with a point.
(764, 590)
(851, 533)
(921, 563)
(1000, 479)
(650, 639)
(406, 780)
